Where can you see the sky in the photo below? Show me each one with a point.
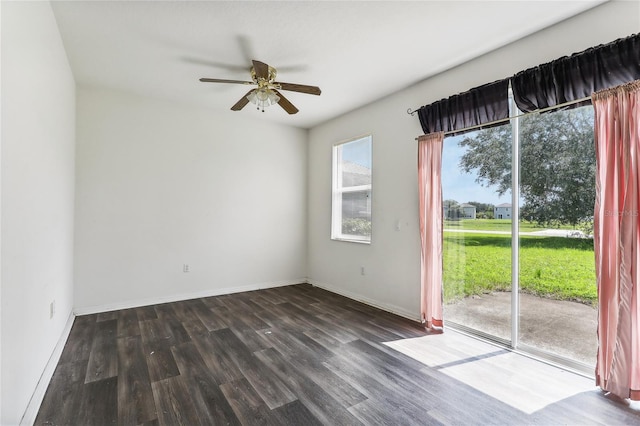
(358, 151)
(460, 186)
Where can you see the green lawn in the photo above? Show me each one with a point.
(495, 225)
(557, 267)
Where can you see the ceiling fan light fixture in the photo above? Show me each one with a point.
(263, 97)
(267, 93)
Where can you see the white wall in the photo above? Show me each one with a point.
(160, 185)
(392, 261)
(37, 192)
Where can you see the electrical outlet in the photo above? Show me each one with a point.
(185, 268)
(52, 309)
(362, 270)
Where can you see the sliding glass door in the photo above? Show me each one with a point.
(557, 269)
(518, 248)
(477, 231)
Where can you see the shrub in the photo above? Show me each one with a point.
(356, 226)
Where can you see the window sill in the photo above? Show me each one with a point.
(349, 240)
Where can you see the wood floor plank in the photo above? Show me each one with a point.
(135, 397)
(194, 328)
(270, 388)
(290, 315)
(271, 317)
(173, 402)
(183, 311)
(322, 405)
(236, 306)
(211, 320)
(103, 359)
(161, 364)
(333, 384)
(251, 338)
(146, 313)
(80, 340)
(322, 338)
(417, 393)
(163, 332)
(252, 321)
(299, 297)
(272, 296)
(220, 364)
(295, 413)
(257, 298)
(373, 412)
(376, 387)
(128, 324)
(107, 316)
(213, 302)
(98, 403)
(253, 307)
(211, 405)
(165, 310)
(247, 404)
(335, 328)
(296, 345)
(62, 399)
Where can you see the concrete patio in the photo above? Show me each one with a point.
(560, 327)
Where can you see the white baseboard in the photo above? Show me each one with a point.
(397, 310)
(87, 310)
(30, 414)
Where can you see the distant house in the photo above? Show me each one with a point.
(502, 211)
(354, 174)
(468, 211)
(356, 204)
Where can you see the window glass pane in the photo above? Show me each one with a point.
(558, 293)
(476, 191)
(356, 213)
(356, 162)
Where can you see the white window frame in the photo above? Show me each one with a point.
(337, 192)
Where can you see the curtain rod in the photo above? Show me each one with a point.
(504, 120)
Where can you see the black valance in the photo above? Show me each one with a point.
(578, 76)
(477, 106)
(564, 80)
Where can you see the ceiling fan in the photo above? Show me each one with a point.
(267, 93)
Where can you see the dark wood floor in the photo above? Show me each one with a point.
(294, 355)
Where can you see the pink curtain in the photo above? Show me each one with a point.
(617, 238)
(430, 188)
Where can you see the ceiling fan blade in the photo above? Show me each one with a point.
(285, 104)
(219, 80)
(242, 102)
(311, 90)
(261, 69)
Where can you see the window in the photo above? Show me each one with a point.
(351, 206)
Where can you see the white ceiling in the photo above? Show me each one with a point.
(356, 51)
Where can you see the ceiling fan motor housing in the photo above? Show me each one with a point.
(271, 76)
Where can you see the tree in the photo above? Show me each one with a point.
(557, 164)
